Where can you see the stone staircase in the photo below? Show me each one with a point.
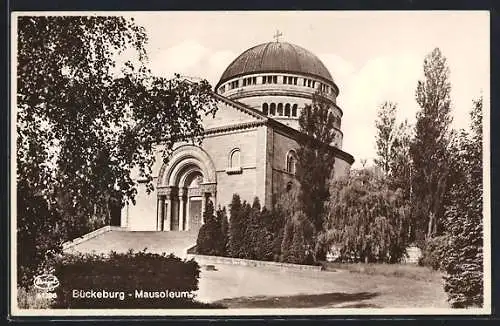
(121, 240)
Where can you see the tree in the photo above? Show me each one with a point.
(463, 261)
(296, 249)
(315, 158)
(266, 236)
(84, 122)
(211, 239)
(393, 148)
(276, 220)
(429, 150)
(254, 232)
(386, 138)
(236, 226)
(401, 168)
(224, 223)
(247, 214)
(367, 220)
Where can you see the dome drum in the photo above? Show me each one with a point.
(263, 84)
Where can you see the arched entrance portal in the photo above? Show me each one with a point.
(185, 185)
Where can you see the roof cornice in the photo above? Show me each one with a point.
(266, 120)
(300, 136)
(240, 106)
(238, 126)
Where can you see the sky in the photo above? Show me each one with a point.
(373, 56)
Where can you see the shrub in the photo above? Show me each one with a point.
(126, 273)
(28, 299)
(433, 252)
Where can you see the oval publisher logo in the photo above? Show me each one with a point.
(46, 282)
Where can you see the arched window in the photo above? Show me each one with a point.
(234, 158)
(294, 110)
(234, 162)
(339, 122)
(265, 108)
(280, 109)
(287, 110)
(272, 110)
(291, 162)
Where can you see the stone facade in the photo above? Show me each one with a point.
(246, 150)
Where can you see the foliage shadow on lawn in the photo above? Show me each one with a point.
(297, 301)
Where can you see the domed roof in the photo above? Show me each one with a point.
(276, 57)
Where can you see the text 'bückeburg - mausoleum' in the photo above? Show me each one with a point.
(249, 147)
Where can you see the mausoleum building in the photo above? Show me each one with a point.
(249, 147)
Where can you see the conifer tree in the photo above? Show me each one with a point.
(296, 246)
(224, 223)
(429, 150)
(254, 229)
(236, 226)
(210, 239)
(286, 244)
(247, 214)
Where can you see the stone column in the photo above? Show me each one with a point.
(187, 215)
(208, 191)
(203, 206)
(182, 203)
(161, 213)
(213, 198)
(168, 217)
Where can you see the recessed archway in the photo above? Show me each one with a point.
(185, 183)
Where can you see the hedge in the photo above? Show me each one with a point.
(122, 276)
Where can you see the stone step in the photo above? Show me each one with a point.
(176, 242)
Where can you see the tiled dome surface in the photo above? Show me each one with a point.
(276, 57)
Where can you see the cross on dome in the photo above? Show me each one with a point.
(277, 35)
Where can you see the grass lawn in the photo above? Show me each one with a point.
(408, 271)
(339, 286)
